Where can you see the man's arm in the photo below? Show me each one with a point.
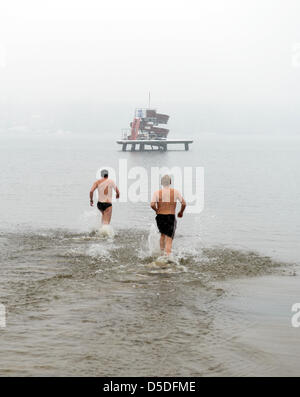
(116, 189)
(93, 188)
(183, 205)
(153, 204)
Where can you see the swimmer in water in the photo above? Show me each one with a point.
(105, 187)
(164, 204)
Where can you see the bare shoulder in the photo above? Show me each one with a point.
(155, 195)
(177, 194)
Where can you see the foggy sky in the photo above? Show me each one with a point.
(226, 63)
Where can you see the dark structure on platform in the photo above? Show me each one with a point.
(146, 133)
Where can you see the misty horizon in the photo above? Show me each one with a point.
(215, 67)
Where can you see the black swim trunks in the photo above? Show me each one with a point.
(103, 206)
(166, 224)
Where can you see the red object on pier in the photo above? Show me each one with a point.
(145, 125)
(135, 125)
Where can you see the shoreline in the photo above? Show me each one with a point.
(255, 321)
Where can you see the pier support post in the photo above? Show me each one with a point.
(161, 145)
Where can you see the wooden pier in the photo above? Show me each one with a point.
(155, 144)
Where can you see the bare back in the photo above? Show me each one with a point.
(166, 200)
(105, 187)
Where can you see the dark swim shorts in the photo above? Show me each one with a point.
(166, 224)
(103, 206)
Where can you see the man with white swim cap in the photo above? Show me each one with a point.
(164, 204)
(105, 187)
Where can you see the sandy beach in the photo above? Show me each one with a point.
(255, 317)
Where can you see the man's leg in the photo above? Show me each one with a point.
(168, 245)
(106, 216)
(162, 242)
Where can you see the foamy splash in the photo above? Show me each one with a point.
(106, 231)
(153, 241)
(89, 221)
(166, 264)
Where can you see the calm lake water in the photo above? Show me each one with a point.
(81, 304)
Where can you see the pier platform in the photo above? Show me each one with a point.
(142, 145)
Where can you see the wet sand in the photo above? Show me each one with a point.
(255, 319)
(79, 304)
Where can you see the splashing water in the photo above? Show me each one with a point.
(106, 231)
(158, 262)
(89, 221)
(153, 241)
